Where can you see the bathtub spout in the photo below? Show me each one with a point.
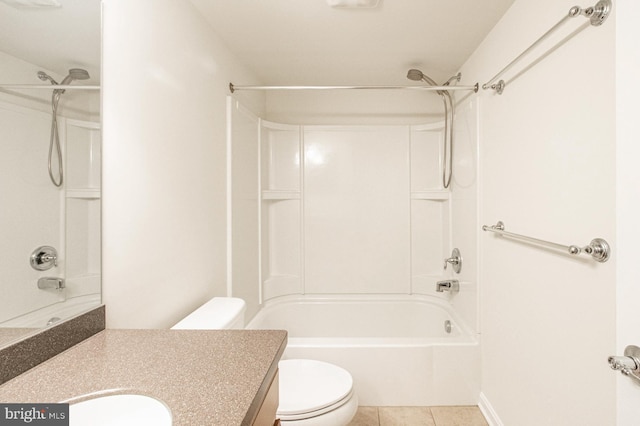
(51, 282)
(452, 286)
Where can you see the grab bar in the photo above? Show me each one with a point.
(598, 248)
(597, 15)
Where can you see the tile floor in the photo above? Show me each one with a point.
(419, 416)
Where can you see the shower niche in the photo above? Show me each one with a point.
(281, 209)
(82, 193)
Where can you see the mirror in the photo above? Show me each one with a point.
(50, 268)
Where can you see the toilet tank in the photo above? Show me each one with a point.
(217, 314)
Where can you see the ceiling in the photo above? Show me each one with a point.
(307, 42)
(284, 42)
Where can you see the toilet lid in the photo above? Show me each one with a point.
(309, 385)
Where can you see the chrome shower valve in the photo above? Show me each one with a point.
(43, 258)
(455, 260)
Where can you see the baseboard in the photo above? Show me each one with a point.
(489, 413)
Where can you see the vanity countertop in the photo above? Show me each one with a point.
(212, 377)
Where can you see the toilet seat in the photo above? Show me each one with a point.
(311, 388)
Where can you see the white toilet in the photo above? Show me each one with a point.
(312, 393)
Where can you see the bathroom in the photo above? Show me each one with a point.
(554, 159)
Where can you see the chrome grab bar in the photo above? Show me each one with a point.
(629, 364)
(598, 248)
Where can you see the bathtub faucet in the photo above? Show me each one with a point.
(452, 286)
(51, 282)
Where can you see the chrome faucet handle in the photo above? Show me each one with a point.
(43, 258)
(455, 260)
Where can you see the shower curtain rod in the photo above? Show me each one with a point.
(233, 88)
(48, 86)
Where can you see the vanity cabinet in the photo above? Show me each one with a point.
(267, 414)
(186, 365)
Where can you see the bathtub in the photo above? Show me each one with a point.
(395, 347)
(49, 315)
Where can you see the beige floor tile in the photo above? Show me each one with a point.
(365, 416)
(405, 416)
(458, 416)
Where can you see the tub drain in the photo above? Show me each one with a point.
(53, 321)
(447, 326)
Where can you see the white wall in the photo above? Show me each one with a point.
(32, 213)
(165, 78)
(628, 201)
(354, 106)
(547, 156)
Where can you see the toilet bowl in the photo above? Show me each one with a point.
(315, 393)
(312, 393)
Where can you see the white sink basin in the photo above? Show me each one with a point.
(120, 410)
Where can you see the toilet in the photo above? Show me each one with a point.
(312, 393)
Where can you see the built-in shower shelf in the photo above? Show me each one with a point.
(437, 195)
(280, 195)
(84, 194)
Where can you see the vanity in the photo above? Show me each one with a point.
(212, 377)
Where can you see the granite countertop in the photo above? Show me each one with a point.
(212, 377)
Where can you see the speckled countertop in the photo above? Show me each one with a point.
(213, 377)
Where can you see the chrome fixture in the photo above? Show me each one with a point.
(53, 320)
(54, 140)
(629, 364)
(596, 14)
(455, 260)
(448, 326)
(417, 75)
(45, 283)
(43, 258)
(598, 248)
(452, 286)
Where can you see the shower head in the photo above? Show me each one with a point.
(415, 75)
(75, 74)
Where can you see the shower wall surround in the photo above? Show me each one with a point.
(67, 219)
(349, 209)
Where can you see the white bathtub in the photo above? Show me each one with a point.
(49, 315)
(395, 347)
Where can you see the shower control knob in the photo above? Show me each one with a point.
(455, 260)
(43, 258)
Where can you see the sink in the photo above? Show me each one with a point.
(120, 410)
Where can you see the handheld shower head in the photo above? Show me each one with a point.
(415, 75)
(75, 74)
